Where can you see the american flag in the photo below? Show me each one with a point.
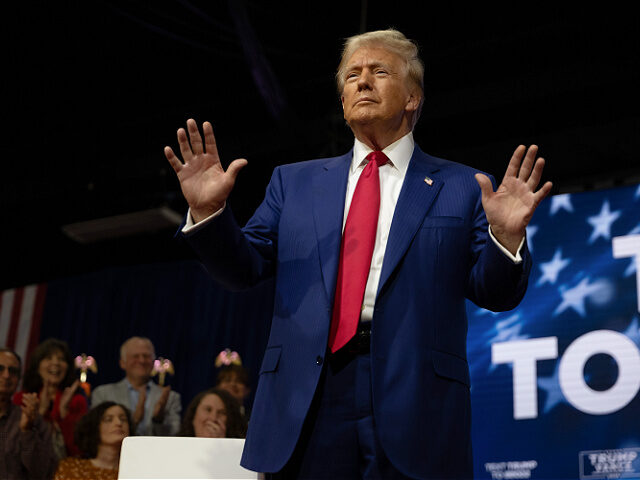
(20, 318)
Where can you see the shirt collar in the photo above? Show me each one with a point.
(399, 153)
(130, 387)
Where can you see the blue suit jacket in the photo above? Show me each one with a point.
(438, 253)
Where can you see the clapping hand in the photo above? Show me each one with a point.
(29, 406)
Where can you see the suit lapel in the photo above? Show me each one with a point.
(329, 191)
(419, 190)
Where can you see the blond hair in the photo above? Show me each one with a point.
(395, 42)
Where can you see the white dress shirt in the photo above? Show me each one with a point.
(391, 178)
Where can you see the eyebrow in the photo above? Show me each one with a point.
(372, 65)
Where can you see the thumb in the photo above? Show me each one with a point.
(235, 167)
(485, 184)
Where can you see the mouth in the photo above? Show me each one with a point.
(364, 100)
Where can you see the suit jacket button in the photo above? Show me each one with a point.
(319, 360)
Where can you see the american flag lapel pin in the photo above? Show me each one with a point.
(428, 181)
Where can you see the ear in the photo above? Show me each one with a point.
(121, 363)
(413, 102)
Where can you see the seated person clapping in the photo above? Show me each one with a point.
(213, 413)
(99, 436)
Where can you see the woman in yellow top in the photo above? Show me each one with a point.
(99, 436)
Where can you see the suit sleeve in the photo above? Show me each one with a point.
(495, 281)
(97, 396)
(240, 258)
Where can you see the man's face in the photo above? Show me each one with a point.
(376, 88)
(138, 361)
(9, 375)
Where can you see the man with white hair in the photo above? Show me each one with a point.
(155, 409)
(374, 252)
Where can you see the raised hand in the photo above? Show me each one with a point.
(29, 406)
(510, 208)
(204, 183)
(65, 398)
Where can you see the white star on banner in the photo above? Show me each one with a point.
(631, 268)
(551, 269)
(507, 330)
(561, 201)
(574, 297)
(531, 231)
(601, 223)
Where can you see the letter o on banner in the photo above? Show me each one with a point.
(571, 373)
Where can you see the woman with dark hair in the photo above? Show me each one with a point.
(50, 374)
(213, 413)
(99, 436)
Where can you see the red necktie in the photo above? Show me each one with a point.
(356, 250)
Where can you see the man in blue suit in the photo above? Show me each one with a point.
(394, 401)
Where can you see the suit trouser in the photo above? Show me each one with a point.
(339, 439)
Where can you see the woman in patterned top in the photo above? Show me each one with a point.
(99, 436)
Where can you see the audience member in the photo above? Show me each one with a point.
(155, 409)
(233, 377)
(25, 438)
(214, 413)
(50, 374)
(99, 436)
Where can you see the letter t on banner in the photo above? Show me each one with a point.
(629, 246)
(524, 354)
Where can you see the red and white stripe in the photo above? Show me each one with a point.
(20, 318)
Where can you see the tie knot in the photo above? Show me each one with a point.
(379, 157)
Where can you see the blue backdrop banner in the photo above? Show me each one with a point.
(555, 381)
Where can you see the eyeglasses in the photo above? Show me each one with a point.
(13, 371)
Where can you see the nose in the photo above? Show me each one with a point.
(364, 79)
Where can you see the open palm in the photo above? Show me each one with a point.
(510, 208)
(204, 183)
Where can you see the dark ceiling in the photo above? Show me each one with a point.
(93, 91)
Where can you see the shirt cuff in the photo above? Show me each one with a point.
(190, 226)
(515, 259)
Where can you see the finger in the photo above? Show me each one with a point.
(536, 174)
(175, 162)
(514, 164)
(527, 163)
(543, 192)
(194, 136)
(209, 139)
(485, 185)
(235, 167)
(185, 149)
